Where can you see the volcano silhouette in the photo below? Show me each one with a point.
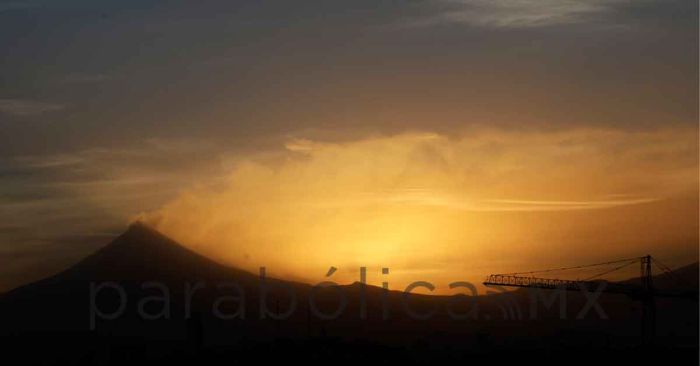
(93, 313)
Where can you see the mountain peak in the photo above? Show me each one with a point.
(139, 234)
(139, 254)
(140, 226)
(143, 252)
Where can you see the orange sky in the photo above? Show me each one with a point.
(446, 209)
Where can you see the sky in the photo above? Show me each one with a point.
(444, 139)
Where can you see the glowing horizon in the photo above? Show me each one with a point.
(431, 206)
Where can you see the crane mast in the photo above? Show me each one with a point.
(645, 293)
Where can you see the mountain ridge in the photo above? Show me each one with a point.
(66, 304)
(142, 251)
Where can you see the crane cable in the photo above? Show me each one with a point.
(575, 267)
(669, 272)
(612, 270)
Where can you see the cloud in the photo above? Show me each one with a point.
(385, 200)
(26, 107)
(16, 5)
(82, 190)
(517, 13)
(532, 205)
(85, 78)
(397, 199)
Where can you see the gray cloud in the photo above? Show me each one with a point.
(16, 5)
(27, 107)
(517, 13)
(85, 78)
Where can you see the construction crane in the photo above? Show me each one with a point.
(645, 292)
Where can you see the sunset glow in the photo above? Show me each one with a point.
(433, 207)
